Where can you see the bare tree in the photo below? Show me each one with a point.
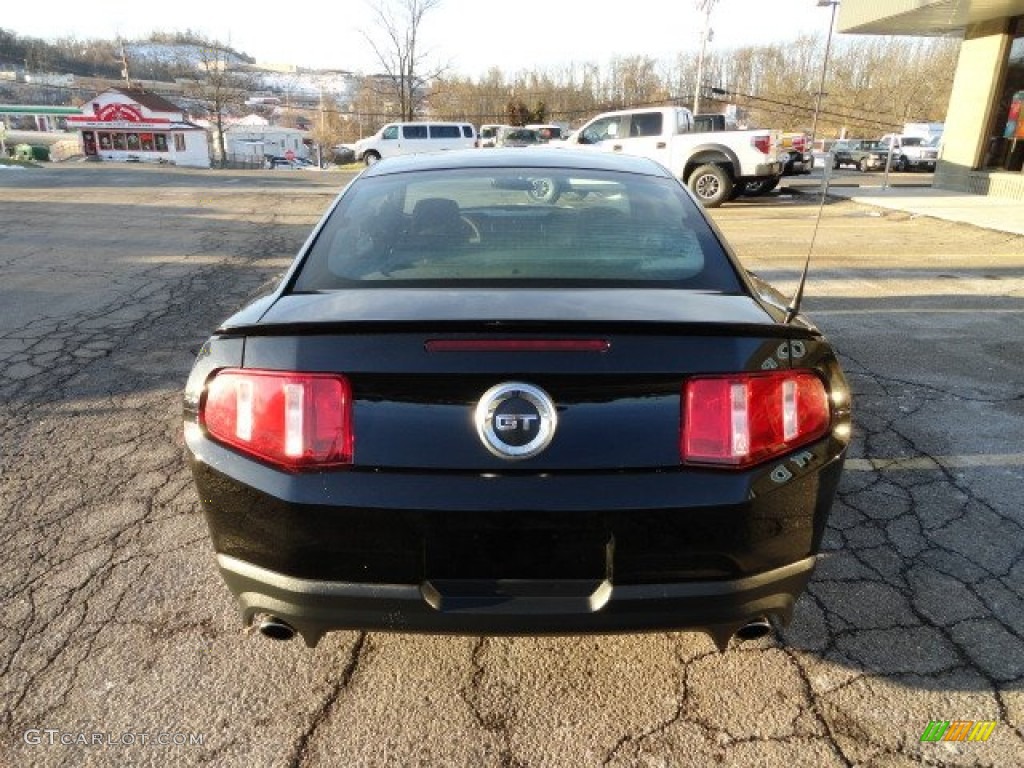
(213, 79)
(329, 128)
(397, 48)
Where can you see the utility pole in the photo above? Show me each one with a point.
(824, 68)
(124, 66)
(320, 143)
(705, 7)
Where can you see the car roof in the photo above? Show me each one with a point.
(428, 122)
(544, 158)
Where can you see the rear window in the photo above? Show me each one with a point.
(548, 132)
(645, 124)
(502, 227)
(467, 131)
(522, 134)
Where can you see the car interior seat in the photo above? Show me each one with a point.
(436, 221)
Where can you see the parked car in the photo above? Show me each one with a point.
(842, 150)
(910, 152)
(547, 132)
(867, 155)
(716, 166)
(792, 160)
(797, 158)
(511, 136)
(397, 139)
(274, 163)
(463, 412)
(489, 134)
(344, 154)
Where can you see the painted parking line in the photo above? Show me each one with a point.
(914, 463)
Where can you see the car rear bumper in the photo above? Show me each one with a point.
(471, 553)
(764, 170)
(515, 606)
(802, 165)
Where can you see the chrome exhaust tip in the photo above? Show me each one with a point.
(755, 629)
(274, 628)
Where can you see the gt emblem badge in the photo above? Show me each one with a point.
(515, 420)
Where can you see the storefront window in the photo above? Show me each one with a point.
(146, 140)
(118, 140)
(1006, 140)
(179, 142)
(161, 142)
(133, 141)
(105, 141)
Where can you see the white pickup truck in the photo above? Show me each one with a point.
(714, 165)
(909, 151)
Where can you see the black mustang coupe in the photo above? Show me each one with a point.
(516, 392)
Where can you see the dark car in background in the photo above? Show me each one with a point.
(842, 152)
(864, 154)
(290, 164)
(467, 411)
(798, 158)
(512, 136)
(343, 154)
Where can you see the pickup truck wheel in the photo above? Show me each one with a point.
(863, 165)
(902, 164)
(371, 158)
(543, 190)
(711, 185)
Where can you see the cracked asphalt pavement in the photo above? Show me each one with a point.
(120, 645)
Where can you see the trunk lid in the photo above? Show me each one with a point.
(415, 402)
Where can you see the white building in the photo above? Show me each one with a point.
(249, 142)
(126, 124)
(983, 137)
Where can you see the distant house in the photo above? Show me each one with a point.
(251, 142)
(131, 125)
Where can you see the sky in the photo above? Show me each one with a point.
(469, 36)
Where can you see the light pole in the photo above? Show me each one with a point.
(704, 6)
(824, 69)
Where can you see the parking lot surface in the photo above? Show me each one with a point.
(121, 646)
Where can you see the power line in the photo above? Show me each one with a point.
(764, 103)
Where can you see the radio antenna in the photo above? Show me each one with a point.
(794, 306)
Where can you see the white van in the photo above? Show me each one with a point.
(409, 138)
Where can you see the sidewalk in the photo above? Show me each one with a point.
(998, 213)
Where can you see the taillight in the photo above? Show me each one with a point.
(742, 419)
(295, 420)
(762, 144)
